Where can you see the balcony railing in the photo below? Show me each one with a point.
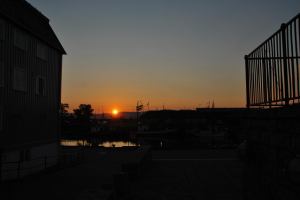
(272, 69)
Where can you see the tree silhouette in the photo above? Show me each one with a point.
(84, 112)
(83, 116)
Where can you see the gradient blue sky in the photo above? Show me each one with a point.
(177, 53)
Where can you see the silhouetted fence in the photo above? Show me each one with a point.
(272, 69)
(19, 169)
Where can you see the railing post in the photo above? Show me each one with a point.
(19, 169)
(247, 81)
(45, 162)
(1, 165)
(285, 66)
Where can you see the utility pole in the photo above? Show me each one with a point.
(103, 115)
(139, 107)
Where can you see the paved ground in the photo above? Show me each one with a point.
(203, 174)
(92, 179)
(197, 174)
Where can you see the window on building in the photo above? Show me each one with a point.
(1, 74)
(41, 51)
(40, 86)
(20, 79)
(20, 39)
(2, 30)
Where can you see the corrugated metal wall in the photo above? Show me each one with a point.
(29, 118)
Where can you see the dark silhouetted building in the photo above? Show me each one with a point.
(30, 90)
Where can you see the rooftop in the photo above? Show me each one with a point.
(28, 18)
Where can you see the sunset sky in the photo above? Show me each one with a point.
(177, 53)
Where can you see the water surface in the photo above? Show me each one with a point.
(106, 144)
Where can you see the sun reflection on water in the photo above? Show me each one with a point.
(107, 144)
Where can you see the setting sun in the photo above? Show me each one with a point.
(115, 112)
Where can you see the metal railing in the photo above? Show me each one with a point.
(272, 69)
(19, 169)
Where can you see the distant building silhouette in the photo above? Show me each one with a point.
(30, 90)
(199, 128)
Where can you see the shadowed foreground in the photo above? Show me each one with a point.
(198, 174)
(203, 174)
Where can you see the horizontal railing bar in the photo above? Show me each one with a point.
(35, 159)
(274, 34)
(275, 101)
(25, 168)
(272, 104)
(269, 104)
(293, 19)
(257, 48)
(18, 166)
(272, 58)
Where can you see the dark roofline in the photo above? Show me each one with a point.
(42, 18)
(36, 11)
(62, 50)
(48, 21)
